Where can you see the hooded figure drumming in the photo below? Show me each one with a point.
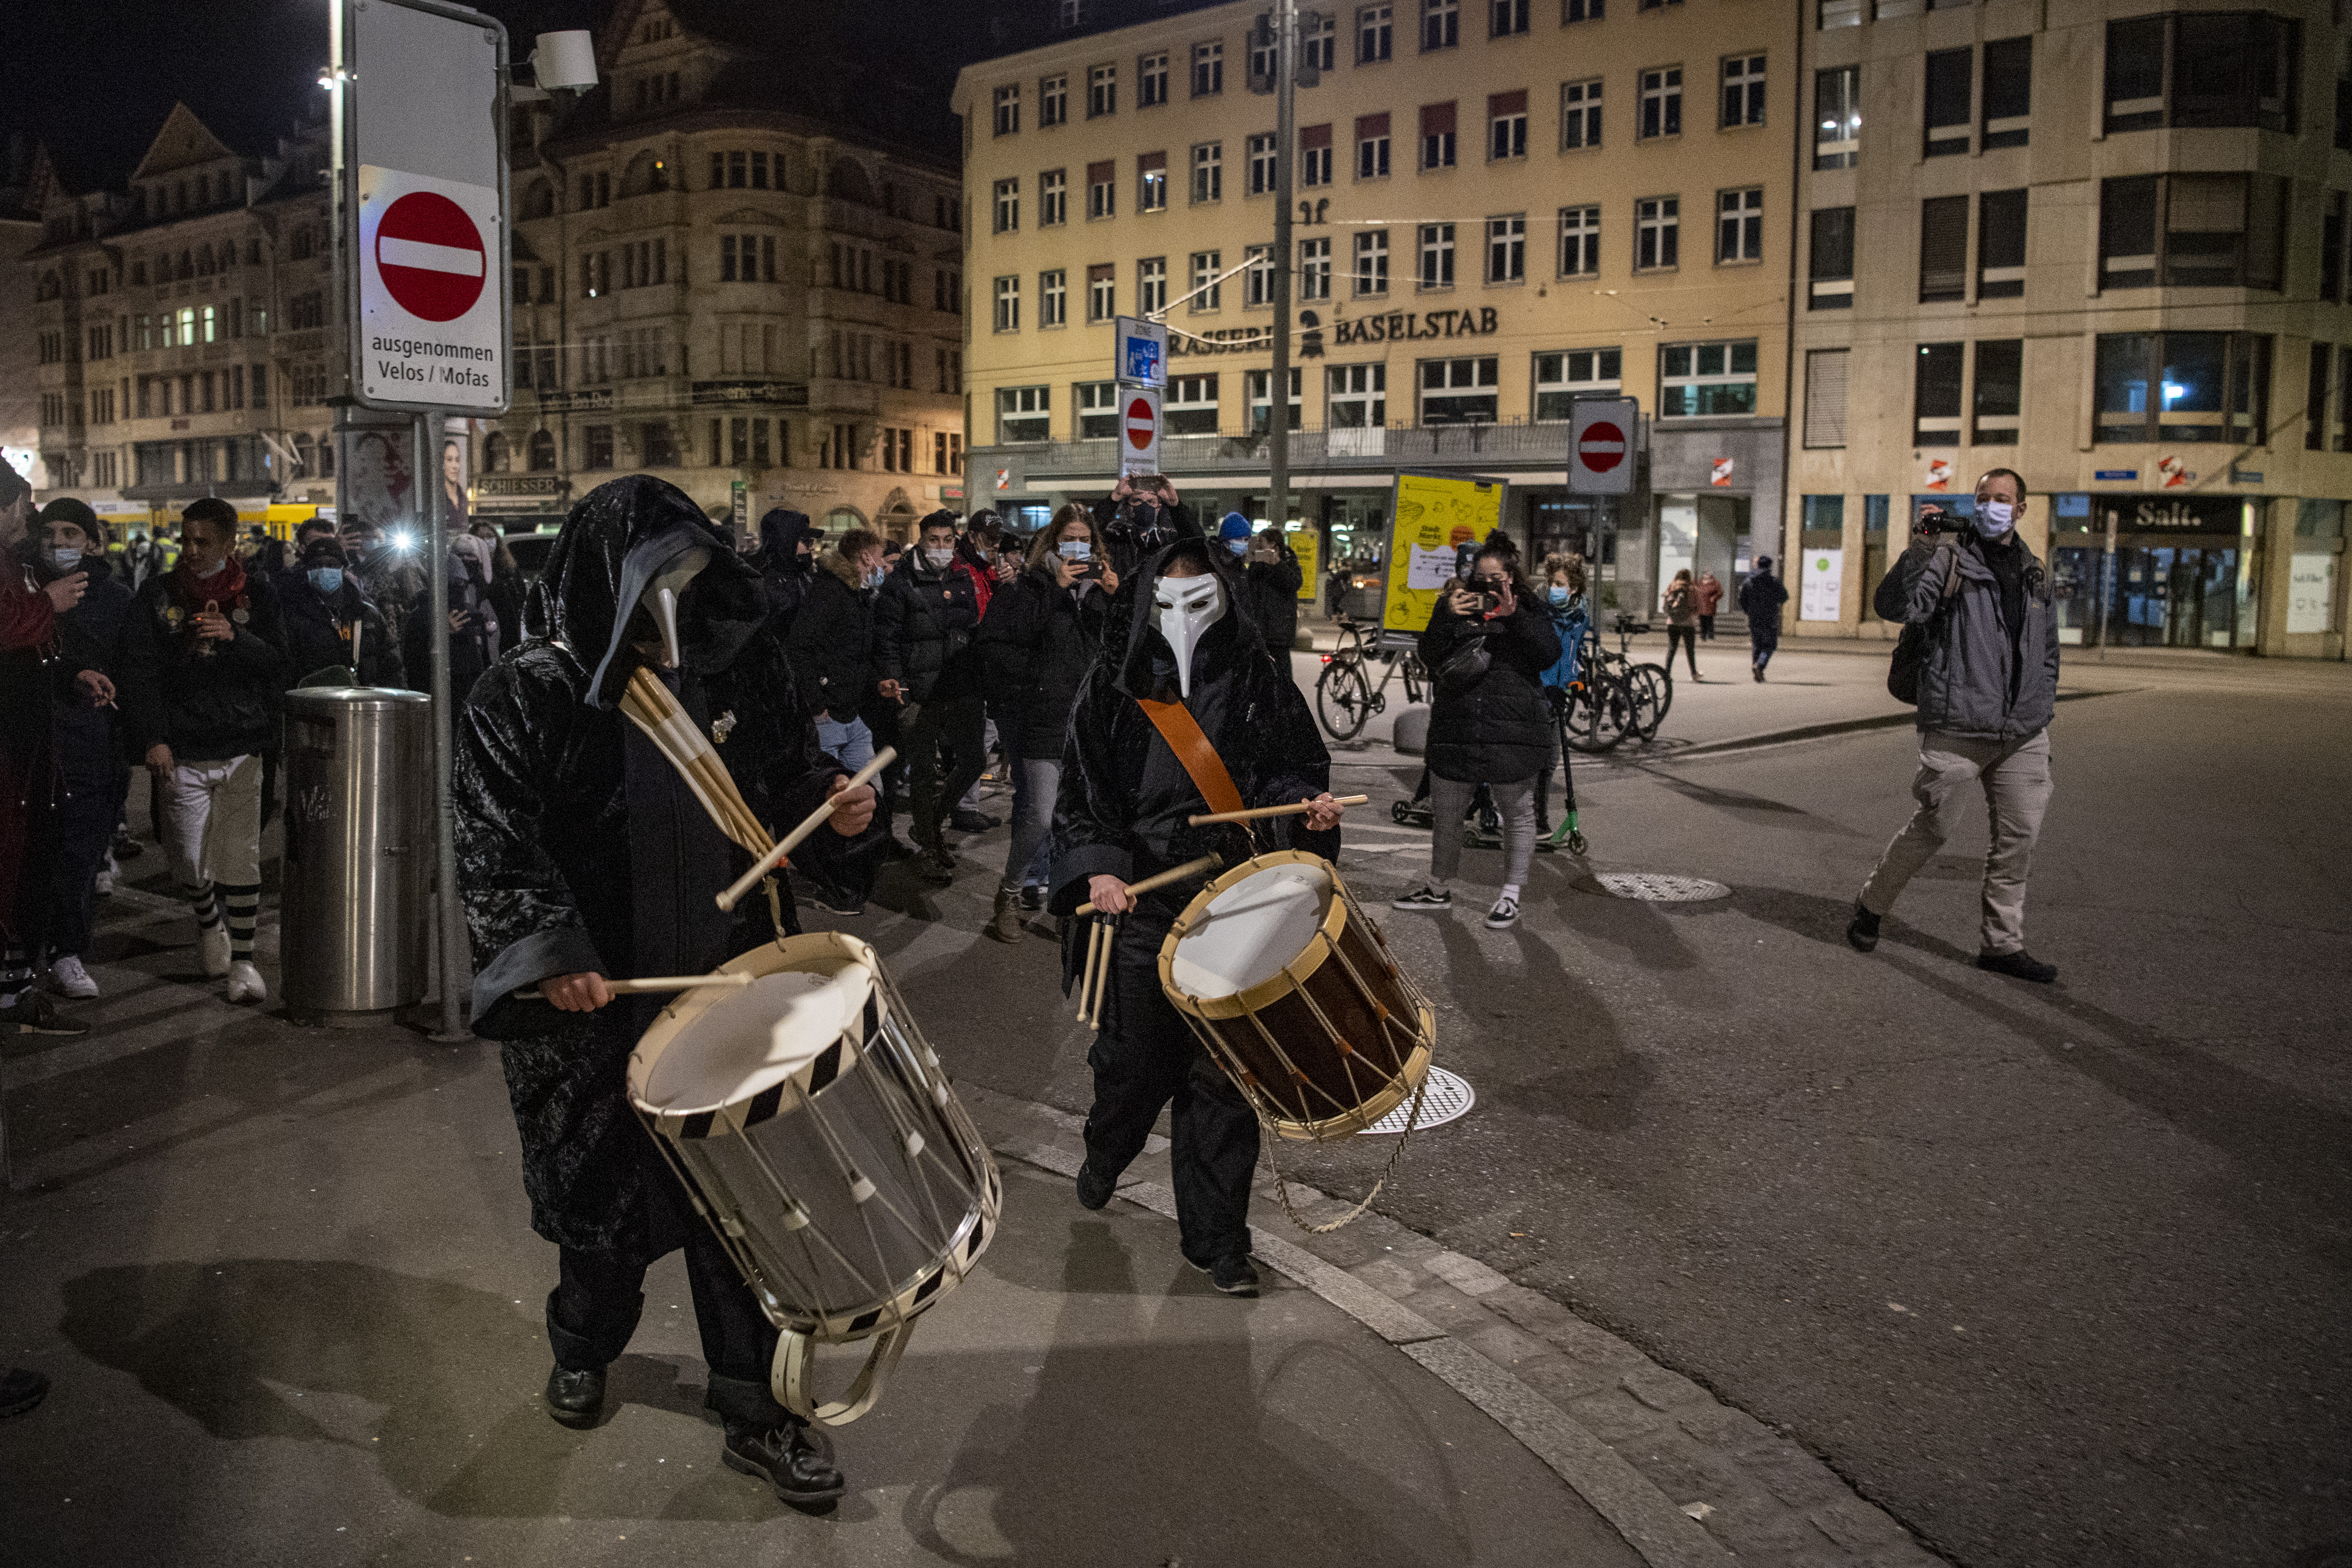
(1181, 641)
(584, 854)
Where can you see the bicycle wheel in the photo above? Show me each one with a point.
(1653, 692)
(1343, 698)
(1613, 711)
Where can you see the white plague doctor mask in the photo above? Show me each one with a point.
(660, 598)
(1187, 608)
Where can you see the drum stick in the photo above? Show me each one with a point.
(1087, 969)
(815, 820)
(1109, 929)
(1189, 868)
(1257, 810)
(655, 983)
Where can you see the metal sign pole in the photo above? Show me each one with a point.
(456, 952)
(1277, 390)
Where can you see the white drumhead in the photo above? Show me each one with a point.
(748, 1041)
(1252, 931)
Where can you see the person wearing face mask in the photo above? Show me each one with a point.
(1270, 576)
(1563, 602)
(1186, 645)
(1140, 517)
(924, 622)
(1035, 647)
(786, 560)
(830, 639)
(1978, 618)
(474, 632)
(1489, 642)
(203, 661)
(325, 615)
(584, 855)
(1761, 595)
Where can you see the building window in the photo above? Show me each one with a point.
(1007, 207)
(897, 450)
(1943, 248)
(1837, 118)
(1371, 147)
(2183, 387)
(1580, 114)
(1743, 91)
(1318, 41)
(2001, 245)
(1024, 413)
(2220, 68)
(1372, 261)
(1102, 91)
(1951, 85)
(2314, 398)
(1097, 404)
(1152, 285)
(1504, 18)
(1257, 384)
(2191, 231)
(1437, 136)
(1258, 276)
(1207, 292)
(1436, 256)
(1054, 299)
(2331, 248)
(1261, 152)
(1506, 125)
(742, 258)
(1829, 274)
(1261, 59)
(1008, 305)
(1373, 27)
(1697, 379)
(1936, 394)
(1658, 233)
(1661, 103)
(1441, 23)
(2008, 92)
(1579, 242)
(1190, 408)
(1584, 10)
(1008, 111)
(1102, 291)
(947, 452)
(1999, 391)
(1208, 69)
(1101, 197)
(1358, 397)
(1152, 81)
(1208, 172)
(1739, 226)
(1053, 101)
(1315, 155)
(950, 363)
(596, 446)
(1151, 181)
(1561, 378)
(1507, 249)
(1460, 391)
(1313, 269)
(1053, 198)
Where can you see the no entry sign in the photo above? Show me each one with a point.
(1139, 430)
(431, 256)
(1600, 433)
(432, 316)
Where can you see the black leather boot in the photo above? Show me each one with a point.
(576, 1398)
(790, 1457)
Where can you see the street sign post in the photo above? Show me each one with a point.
(1600, 432)
(1142, 353)
(1139, 430)
(417, 106)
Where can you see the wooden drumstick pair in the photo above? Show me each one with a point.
(769, 859)
(1254, 813)
(1095, 974)
(655, 983)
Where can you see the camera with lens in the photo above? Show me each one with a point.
(1935, 520)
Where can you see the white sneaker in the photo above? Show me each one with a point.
(244, 983)
(1504, 914)
(212, 944)
(69, 978)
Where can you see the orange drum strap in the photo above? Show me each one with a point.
(1183, 733)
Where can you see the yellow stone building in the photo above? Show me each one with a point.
(1500, 205)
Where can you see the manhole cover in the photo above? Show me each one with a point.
(1659, 887)
(1448, 1096)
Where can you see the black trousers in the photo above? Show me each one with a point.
(1687, 637)
(593, 1310)
(1706, 628)
(960, 724)
(1146, 1057)
(85, 828)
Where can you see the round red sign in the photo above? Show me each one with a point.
(1601, 446)
(429, 255)
(1139, 426)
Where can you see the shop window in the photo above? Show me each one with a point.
(1828, 277)
(1561, 378)
(1698, 379)
(1259, 382)
(1190, 408)
(1837, 117)
(1097, 404)
(1950, 87)
(2008, 92)
(2175, 387)
(1460, 391)
(1024, 413)
(1936, 394)
(1999, 392)
(2001, 245)
(1943, 248)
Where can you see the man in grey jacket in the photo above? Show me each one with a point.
(1987, 687)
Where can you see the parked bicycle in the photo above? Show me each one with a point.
(1345, 696)
(1616, 699)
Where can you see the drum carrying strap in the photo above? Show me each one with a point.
(1201, 764)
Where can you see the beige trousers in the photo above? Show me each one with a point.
(2015, 778)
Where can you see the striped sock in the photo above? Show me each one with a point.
(244, 906)
(206, 905)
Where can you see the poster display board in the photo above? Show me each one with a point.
(1307, 545)
(1432, 516)
(1821, 595)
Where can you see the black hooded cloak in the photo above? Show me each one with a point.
(580, 850)
(784, 571)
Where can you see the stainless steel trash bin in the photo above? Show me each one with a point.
(356, 910)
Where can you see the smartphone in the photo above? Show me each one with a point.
(1148, 483)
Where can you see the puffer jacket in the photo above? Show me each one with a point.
(1978, 676)
(1497, 729)
(206, 707)
(831, 640)
(1035, 647)
(1569, 621)
(923, 623)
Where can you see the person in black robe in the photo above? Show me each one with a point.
(582, 855)
(1120, 816)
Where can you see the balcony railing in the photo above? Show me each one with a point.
(1376, 447)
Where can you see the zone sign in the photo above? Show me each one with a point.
(432, 304)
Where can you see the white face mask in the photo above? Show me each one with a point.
(1076, 550)
(1995, 518)
(939, 558)
(661, 597)
(67, 558)
(1188, 608)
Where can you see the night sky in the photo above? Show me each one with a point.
(94, 79)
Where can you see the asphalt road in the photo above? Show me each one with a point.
(2058, 1276)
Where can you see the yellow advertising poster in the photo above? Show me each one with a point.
(1433, 514)
(1307, 543)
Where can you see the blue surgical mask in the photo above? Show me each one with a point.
(1557, 594)
(1076, 550)
(939, 559)
(1238, 546)
(326, 579)
(214, 569)
(68, 559)
(1995, 518)
(874, 578)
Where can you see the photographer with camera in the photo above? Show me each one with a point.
(1979, 657)
(1141, 516)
